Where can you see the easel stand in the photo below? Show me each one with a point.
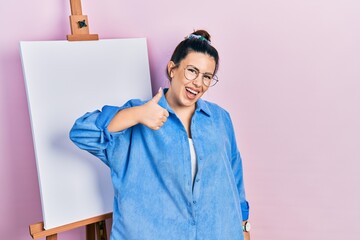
(95, 228)
(79, 24)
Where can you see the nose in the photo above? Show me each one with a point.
(198, 81)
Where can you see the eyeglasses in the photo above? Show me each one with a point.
(191, 73)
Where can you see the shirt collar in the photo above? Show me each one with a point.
(201, 105)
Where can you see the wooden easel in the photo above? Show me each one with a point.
(79, 24)
(95, 228)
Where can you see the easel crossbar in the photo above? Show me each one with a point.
(37, 230)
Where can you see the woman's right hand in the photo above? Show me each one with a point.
(152, 114)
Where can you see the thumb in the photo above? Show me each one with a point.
(157, 97)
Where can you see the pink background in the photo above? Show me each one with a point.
(289, 76)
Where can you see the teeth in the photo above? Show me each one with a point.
(192, 91)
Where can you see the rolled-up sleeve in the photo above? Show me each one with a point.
(239, 178)
(90, 131)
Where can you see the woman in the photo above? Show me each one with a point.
(175, 165)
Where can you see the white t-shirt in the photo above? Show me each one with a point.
(193, 159)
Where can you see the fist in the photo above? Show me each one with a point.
(153, 115)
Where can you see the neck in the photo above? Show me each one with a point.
(179, 110)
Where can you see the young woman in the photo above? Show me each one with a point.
(175, 166)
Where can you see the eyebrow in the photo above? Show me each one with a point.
(199, 70)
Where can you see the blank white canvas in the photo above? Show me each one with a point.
(64, 80)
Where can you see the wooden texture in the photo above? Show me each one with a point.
(37, 230)
(75, 7)
(90, 232)
(101, 230)
(82, 37)
(79, 33)
(74, 24)
(52, 237)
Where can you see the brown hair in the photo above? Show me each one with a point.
(198, 41)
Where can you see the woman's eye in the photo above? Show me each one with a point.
(191, 70)
(207, 77)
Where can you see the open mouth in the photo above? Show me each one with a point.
(192, 91)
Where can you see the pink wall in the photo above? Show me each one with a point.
(289, 75)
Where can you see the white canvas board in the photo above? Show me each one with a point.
(64, 80)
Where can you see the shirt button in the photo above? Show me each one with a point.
(193, 222)
(197, 180)
(194, 202)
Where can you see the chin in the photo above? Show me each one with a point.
(190, 102)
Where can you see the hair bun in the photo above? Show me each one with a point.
(203, 34)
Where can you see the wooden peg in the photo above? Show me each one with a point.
(79, 24)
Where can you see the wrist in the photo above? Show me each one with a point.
(137, 114)
(246, 226)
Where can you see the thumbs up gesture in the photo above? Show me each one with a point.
(152, 114)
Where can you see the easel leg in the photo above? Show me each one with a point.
(52, 237)
(90, 231)
(95, 228)
(101, 230)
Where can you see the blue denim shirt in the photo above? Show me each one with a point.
(151, 174)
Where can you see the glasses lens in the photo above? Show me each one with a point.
(210, 80)
(213, 81)
(207, 79)
(190, 73)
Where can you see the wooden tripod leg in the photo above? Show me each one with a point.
(95, 226)
(90, 231)
(52, 237)
(101, 230)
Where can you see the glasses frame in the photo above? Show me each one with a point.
(214, 78)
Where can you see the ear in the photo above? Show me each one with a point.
(170, 67)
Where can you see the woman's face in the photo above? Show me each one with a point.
(183, 92)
